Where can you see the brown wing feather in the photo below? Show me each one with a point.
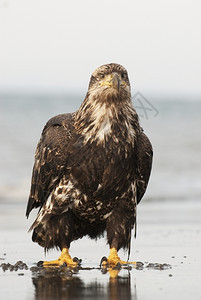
(50, 159)
(144, 158)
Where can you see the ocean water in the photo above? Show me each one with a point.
(173, 127)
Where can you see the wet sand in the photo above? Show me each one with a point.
(168, 247)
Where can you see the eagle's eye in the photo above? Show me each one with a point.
(124, 76)
(101, 75)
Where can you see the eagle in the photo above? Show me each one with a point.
(91, 169)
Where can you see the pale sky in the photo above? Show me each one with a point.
(55, 45)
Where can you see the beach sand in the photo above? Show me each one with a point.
(168, 245)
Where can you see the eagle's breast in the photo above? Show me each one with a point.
(103, 164)
(99, 121)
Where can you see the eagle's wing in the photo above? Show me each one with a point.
(50, 159)
(144, 158)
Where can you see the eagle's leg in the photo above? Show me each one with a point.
(119, 226)
(64, 258)
(113, 258)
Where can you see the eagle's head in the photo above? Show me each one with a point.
(107, 109)
(110, 81)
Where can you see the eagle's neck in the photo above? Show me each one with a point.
(99, 120)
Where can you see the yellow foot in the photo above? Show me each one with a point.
(113, 259)
(64, 258)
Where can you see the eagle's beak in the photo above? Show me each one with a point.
(112, 80)
(116, 81)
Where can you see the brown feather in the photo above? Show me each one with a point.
(91, 167)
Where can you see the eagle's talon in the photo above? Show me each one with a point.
(114, 260)
(77, 260)
(104, 261)
(64, 260)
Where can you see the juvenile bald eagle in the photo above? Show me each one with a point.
(91, 169)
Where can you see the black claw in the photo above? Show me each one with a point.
(40, 263)
(64, 265)
(104, 258)
(77, 260)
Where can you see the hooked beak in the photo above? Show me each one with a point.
(112, 80)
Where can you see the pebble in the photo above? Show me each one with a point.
(158, 266)
(19, 265)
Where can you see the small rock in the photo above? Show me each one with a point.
(11, 268)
